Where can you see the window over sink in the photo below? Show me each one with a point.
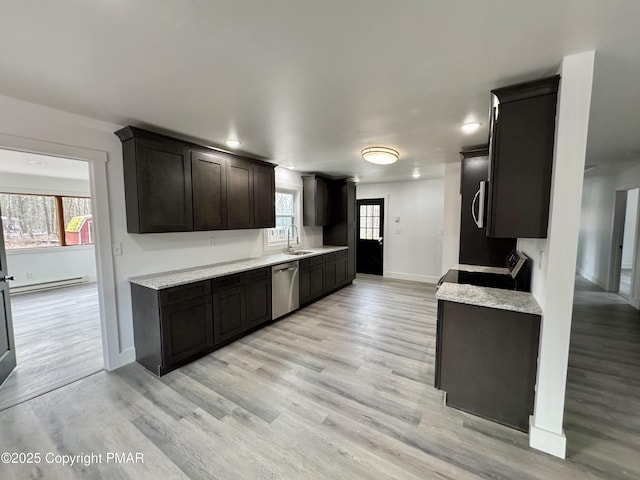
(287, 214)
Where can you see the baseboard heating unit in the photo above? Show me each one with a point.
(48, 285)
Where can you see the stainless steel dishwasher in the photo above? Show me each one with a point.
(284, 289)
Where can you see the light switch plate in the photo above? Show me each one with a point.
(116, 249)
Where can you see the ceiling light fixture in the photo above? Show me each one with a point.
(470, 127)
(380, 155)
(291, 167)
(37, 162)
(356, 179)
(232, 143)
(416, 174)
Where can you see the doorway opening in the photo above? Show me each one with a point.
(370, 245)
(625, 235)
(51, 302)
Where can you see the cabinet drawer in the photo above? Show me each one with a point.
(228, 281)
(182, 293)
(259, 274)
(310, 262)
(335, 255)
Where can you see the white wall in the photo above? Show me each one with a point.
(596, 228)
(555, 280)
(412, 246)
(37, 265)
(142, 254)
(628, 242)
(452, 205)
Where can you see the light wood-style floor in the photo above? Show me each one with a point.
(58, 341)
(339, 390)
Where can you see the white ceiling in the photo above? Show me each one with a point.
(310, 83)
(42, 165)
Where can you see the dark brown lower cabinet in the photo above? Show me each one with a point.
(172, 326)
(175, 326)
(486, 361)
(187, 329)
(229, 313)
(258, 298)
(335, 270)
(311, 283)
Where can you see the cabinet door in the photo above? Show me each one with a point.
(209, 180)
(315, 205)
(228, 313)
(163, 184)
(317, 281)
(264, 196)
(341, 271)
(330, 275)
(304, 285)
(351, 253)
(324, 202)
(258, 302)
(351, 204)
(240, 194)
(187, 329)
(522, 141)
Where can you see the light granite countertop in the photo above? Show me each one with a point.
(489, 297)
(481, 268)
(174, 278)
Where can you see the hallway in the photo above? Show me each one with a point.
(602, 419)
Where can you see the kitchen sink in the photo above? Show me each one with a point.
(299, 252)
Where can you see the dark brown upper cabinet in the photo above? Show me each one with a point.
(264, 196)
(177, 186)
(523, 119)
(316, 201)
(209, 181)
(157, 176)
(240, 194)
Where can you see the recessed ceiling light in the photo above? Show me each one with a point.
(37, 162)
(356, 179)
(470, 127)
(291, 167)
(380, 155)
(232, 143)
(416, 175)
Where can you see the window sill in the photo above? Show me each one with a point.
(22, 251)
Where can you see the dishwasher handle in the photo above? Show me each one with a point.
(285, 269)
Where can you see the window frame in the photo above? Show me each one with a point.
(296, 190)
(59, 218)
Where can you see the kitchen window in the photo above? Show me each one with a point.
(35, 221)
(287, 214)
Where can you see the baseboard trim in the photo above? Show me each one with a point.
(549, 442)
(412, 277)
(124, 358)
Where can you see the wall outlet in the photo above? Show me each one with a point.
(116, 249)
(212, 240)
(398, 231)
(29, 274)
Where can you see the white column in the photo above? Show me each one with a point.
(572, 123)
(451, 220)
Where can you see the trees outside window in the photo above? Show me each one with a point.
(36, 221)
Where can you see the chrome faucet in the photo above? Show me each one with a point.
(289, 230)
